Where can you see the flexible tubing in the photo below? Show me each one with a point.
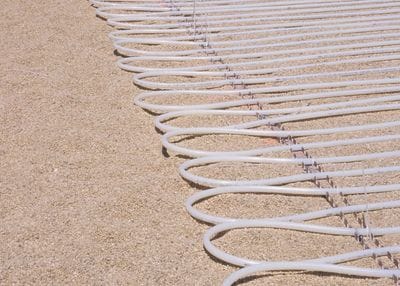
(140, 100)
(260, 54)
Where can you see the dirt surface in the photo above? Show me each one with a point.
(86, 196)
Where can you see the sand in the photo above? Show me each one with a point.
(86, 195)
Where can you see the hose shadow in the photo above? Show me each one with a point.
(324, 275)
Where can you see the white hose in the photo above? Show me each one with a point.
(259, 54)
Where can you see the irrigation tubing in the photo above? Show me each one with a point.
(274, 64)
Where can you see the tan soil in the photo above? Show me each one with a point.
(86, 196)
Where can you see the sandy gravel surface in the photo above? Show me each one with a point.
(86, 196)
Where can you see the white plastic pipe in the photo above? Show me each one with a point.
(255, 52)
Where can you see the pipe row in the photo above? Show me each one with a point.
(320, 59)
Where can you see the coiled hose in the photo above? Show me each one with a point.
(245, 59)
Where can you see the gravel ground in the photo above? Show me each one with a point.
(86, 196)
